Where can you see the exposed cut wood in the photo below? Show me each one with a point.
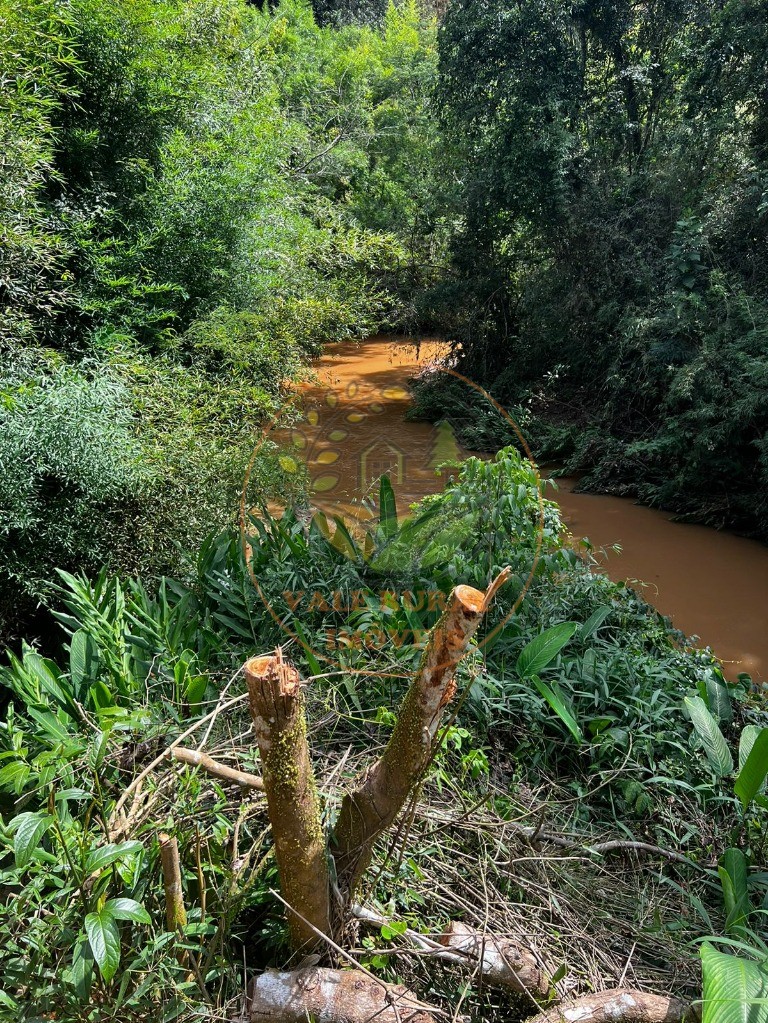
(503, 962)
(279, 724)
(623, 1005)
(373, 806)
(213, 767)
(332, 996)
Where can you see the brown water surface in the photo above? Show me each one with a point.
(711, 584)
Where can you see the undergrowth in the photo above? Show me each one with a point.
(573, 728)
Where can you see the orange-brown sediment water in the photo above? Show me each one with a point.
(711, 584)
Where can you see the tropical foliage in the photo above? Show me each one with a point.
(196, 196)
(612, 241)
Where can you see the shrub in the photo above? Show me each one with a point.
(70, 468)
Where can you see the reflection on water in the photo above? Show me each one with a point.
(712, 584)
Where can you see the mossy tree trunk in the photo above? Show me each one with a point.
(371, 808)
(277, 709)
(175, 913)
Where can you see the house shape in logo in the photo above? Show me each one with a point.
(382, 458)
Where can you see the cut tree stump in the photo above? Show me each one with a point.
(279, 723)
(622, 1005)
(175, 913)
(332, 996)
(371, 808)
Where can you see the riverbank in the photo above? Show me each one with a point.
(711, 584)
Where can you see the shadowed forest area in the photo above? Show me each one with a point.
(468, 777)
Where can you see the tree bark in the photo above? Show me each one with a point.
(331, 996)
(372, 808)
(503, 963)
(623, 1005)
(293, 804)
(175, 913)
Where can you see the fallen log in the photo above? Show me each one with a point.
(502, 962)
(622, 1005)
(332, 996)
(372, 808)
(293, 804)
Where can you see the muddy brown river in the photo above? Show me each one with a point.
(712, 585)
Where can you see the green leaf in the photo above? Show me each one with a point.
(81, 971)
(97, 750)
(753, 773)
(719, 700)
(560, 973)
(13, 777)
(593, 623)
(343, 540)
(51, 683)
(65, 794)
(104, 939)
(194, 691)
(544, 648)
(555, 699)
(735, 989)
(83, 662)
(128, 909)
(105, 855)
(713, 740)
(28, 829)
(387, 508)
(393, 929)
(312, 661)
(101, 696)
(749, 734)
(50, 726)
(733, 877)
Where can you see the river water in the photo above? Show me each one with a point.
(712, 585)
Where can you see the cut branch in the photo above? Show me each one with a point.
(332, 996)
(503, 962)
(622, 1005)
(213, 767)
(277, 709)
(175, 913)
(370, 809)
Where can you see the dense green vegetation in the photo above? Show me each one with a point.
(597, 711)
(610, 263)
(196, 196)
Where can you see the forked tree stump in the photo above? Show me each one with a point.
(279, 723)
